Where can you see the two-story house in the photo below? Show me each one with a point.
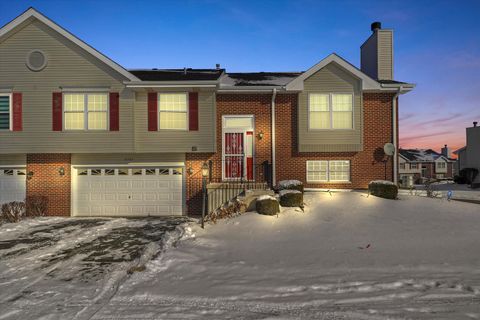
(469, 155)
(97, 139)
(415, 164)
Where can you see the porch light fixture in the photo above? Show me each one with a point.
(260, 135)
(61, 171)
(29, 175)
(205, 170)
(190, 170)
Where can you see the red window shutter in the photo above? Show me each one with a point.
(152, 111)
(17, 111)
(193, 111)
(114, 111)
(57, 111)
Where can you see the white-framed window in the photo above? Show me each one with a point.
(414, 165)
(330, 111)
(173, 111)
(441, 165)
(328, 171)
(402, 165)
(85, 111)
(5, 111)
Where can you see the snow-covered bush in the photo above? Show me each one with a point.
(291, 198)
(383, 189)
(267, 205)
(13, 211)
(290, 185)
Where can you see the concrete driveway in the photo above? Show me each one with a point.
(74, 264)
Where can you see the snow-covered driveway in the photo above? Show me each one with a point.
(346, 257)
(54, 268)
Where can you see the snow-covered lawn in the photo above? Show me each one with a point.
(57, 268)
(346, 257)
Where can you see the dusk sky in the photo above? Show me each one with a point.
(436, 45)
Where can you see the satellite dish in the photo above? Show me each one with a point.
(389, 149)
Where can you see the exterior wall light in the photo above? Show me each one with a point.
(260, 135)
(190, 170)
(205, 170)
(61, 171)
(29, 175)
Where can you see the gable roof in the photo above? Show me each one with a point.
(31, 14)
(367, 82)
(421, 155)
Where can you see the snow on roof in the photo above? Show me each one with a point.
(421, 155)
(259, 78)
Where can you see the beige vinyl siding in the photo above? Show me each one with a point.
(385, 54)
(331, 79)
(68, 66)
(13, 159)
(125, 159)
(176, 140)
(368, 56)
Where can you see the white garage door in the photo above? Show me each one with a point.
(12, 184)
(124, 192)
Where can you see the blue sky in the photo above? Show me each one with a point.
(437, 45)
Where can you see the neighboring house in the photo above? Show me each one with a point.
(424, 163)
(469, 156)
(100, 140)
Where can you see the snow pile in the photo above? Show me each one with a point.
(284, 184)
(348, 256)
(283, 192)
(384, 182)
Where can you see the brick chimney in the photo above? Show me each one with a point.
(446, 151)
(376, 54)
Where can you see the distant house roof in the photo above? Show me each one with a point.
(459, 150)
(259, 78)
(187, 74)
(421, 155)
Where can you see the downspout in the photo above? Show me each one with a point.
(395, 138)
(274, 94)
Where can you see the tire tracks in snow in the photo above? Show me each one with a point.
(123, 272)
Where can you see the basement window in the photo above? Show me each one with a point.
(328, 171)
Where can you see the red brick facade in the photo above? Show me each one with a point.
(291, 164)
(365, 167)
(47, 181)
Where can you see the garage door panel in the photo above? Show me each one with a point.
(137, 196)
(12, 184)
(150, 184)
(128, 192)
(110, 197)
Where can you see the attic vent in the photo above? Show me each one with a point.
(36, 60)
